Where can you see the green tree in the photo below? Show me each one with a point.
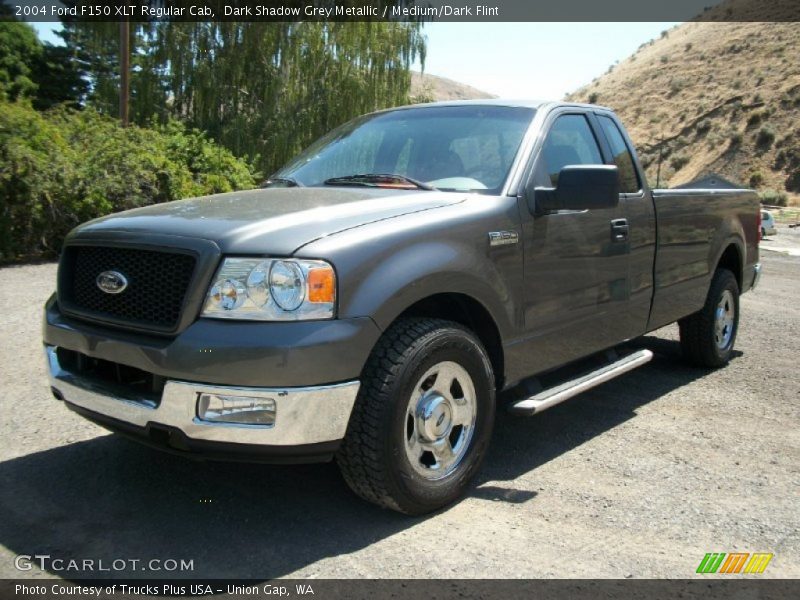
(58, 78)
(263, 90)
(20, 50)
(93, 51)
(44, 73)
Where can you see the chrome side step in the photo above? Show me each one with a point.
(552, 396)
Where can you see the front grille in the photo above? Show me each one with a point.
(157, 285)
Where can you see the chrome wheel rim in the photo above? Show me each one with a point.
(724, 319)
(440, 420)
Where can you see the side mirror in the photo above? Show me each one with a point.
(580, 187)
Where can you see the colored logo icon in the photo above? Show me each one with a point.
(734, 563)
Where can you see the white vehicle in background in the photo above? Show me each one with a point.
(767, 224)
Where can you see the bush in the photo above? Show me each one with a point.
(679, 161)
(755, 118)
(703, 127)
(788, 159)
(756, 179)
(765, 137)
(61, 168)
(735, 139)
(792, 183)
(773, 198)
(676, 84)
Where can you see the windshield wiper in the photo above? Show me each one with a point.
(383, 180)
(281, 182)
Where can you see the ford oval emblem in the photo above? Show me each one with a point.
(112, 282)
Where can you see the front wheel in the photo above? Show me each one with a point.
(423, 417)
(707, 337)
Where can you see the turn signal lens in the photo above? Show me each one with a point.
(321, 285)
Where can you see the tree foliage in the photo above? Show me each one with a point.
(263, 90)
(20, 50)
(45, 73)
(62, 167)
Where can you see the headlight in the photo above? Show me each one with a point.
(287, 285)
(272, 290)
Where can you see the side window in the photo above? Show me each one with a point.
(569, 142)
(628, 180)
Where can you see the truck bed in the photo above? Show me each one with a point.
(694, 227)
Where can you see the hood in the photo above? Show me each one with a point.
(269, 221)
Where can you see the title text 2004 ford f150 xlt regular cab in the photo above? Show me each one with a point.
(374, 300)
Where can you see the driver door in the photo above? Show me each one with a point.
(576, 272)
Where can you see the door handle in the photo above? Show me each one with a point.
(619, 230)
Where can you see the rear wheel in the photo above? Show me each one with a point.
(423, 417)
(707, 337)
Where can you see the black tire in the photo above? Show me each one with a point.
(373, 457)
(700, 342)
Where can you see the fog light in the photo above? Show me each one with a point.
(244, 410)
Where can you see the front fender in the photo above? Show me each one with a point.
(384, 268)
(426, 269)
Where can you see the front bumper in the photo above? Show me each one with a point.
(309, 421)
(228, 353)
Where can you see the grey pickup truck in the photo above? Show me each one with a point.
(385, 290)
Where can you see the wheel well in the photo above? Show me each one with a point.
(732, 261)
(472, 314)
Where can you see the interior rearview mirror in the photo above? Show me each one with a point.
(580, 187)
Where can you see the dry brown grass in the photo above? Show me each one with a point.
(430, 88)
(722, 97)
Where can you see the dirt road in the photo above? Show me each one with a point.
(637, 478)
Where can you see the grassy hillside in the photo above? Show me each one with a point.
(721, 97)
(429, 88)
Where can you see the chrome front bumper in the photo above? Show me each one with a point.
(303, 416)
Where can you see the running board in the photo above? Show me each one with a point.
(555, 395)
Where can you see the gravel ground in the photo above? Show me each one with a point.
(786, 241)
(637, 478)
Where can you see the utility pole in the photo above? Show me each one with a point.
(124, 70)
(660, 158)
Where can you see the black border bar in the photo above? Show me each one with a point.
(404, 10)
(707, 588)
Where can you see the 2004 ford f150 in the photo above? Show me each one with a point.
(376, 297)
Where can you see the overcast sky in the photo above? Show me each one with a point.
(519, 60)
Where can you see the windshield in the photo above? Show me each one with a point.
(451, 148)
